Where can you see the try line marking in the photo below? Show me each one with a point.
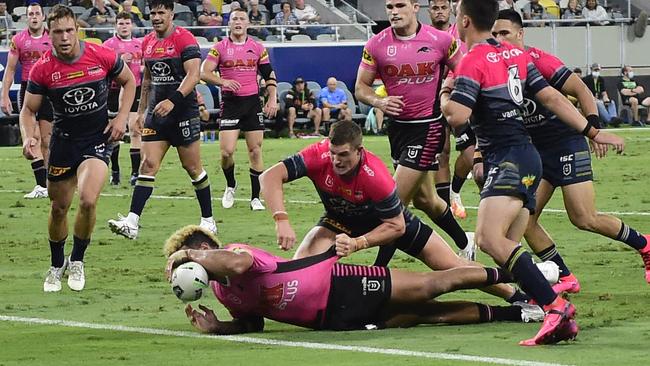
(307, 202)
(273, 342)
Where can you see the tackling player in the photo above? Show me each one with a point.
(172, 59)
(75, 76)
(566, 162)
(27, 47)
(239, 58)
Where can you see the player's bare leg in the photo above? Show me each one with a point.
(135, 134)
(228, 145)
(317, 240)
(442, 176)
(254, 141)
(42, 134)
(190, 157)
(61, 194)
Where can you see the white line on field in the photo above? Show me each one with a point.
(306, 202)
(273, 342)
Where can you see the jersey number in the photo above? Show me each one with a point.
(514, 85)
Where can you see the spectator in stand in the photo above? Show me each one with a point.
(307, 15)
(136, 15)
(210, 17)
(192, 4)
(606, 107)
(596, 13)
(334, 102)
(257, 17)
(286, 17)
(632, 94)
(508, 5)
(99, 16)
(301, 102)
(6, 22)
(572, 11)
(235, 5)
(534, 11)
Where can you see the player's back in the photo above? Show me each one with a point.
(289, 291)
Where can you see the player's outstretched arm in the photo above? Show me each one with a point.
(271, 183)
(7, 81)
(207, 322)
(31, 105)
(217, 262)
(387, 232)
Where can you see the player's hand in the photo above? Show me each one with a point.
(233, 85)
(306, 106)
(597, 149)
(30, 148)
(176, 259)
(5, 106)
(206, 322)
(163, 108)
(285, 235)
(345, 245)
(607, 138)
(116, 127)
(271, 108)
(391, 105)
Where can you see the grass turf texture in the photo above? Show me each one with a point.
(125, 283)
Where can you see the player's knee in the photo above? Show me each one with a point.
(193, 169)
(255, 152)
(227, 152)
(59, 209)
(584, 221)
(486, 243)
(148, 166)
(87, 202)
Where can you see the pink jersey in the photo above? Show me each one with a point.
(288, 291)
(453, 30)
(412, 67)
(133, 49)
(28, 49)
(239, 61)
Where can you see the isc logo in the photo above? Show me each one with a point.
(566, 158)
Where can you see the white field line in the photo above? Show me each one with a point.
(272, 342)
(307, 202)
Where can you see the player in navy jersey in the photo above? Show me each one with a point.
(172, 59)
(490, 82)
(75, 76)
(362, 208)
(566, 160)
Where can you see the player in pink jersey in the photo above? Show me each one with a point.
(362, 208)
(318, 293)
(130, 50)
(27, 47)
(565, 159)
(491, 81)
(238, 59)
(440, 14)
(75, 76)
(172, 59)
(410, 58)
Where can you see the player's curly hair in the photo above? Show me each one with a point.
(190, 236)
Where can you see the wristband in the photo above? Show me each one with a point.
(280, 216)
(176, 98)
(594, 120)
(590, 131)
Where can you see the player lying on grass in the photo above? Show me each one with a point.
(317, 292)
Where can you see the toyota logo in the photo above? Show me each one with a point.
(529, 107)
(160, 69)
(79, 96)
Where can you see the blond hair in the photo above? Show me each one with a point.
(190, 235)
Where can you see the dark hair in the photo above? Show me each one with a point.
(285, 2)
(123, 15)
(196, 238)
(59, 12)
(345, 132)
(482, 12)
(512, 16)
(167, 4)
(577, 70)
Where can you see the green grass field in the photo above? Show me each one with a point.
(126, 287)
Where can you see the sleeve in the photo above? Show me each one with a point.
(344, 96)
(323, 95)
(262, 262)
(213, 54)
(382, 190)
(36, 83)
(453, 54)
(535, 82)
(390, 206)
(553, 70)
(13, 47)
(189, 46)
(112, 62)
(367, 59)
(299, 164)
(264, 56)
(467, 86)
(289, 97)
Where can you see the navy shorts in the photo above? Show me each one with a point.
(177, 133)
(45, 113)
(512, 171)
(567, 162)
(241, 113)
(416, 145)
(357, 298)
(414, 239)
(66, 153)
(114, 100)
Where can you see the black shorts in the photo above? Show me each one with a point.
(567, 162)
(412, 242)
(45, 113)
(357, 298)
(416, 145)
(512, 171)
(114, 100)
(66, 154)
(241, 113)
(465, 137)
(177, 133)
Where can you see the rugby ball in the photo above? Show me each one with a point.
(188, 281)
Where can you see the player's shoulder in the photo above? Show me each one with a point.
(19, 37)
(111, 42)
(98, 49)
(385, 36)
(432, 33)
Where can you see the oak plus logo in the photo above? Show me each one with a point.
(81, 99)
(161, 72)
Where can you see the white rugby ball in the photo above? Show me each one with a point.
(189, 280)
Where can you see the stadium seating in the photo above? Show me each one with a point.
(19, 11)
